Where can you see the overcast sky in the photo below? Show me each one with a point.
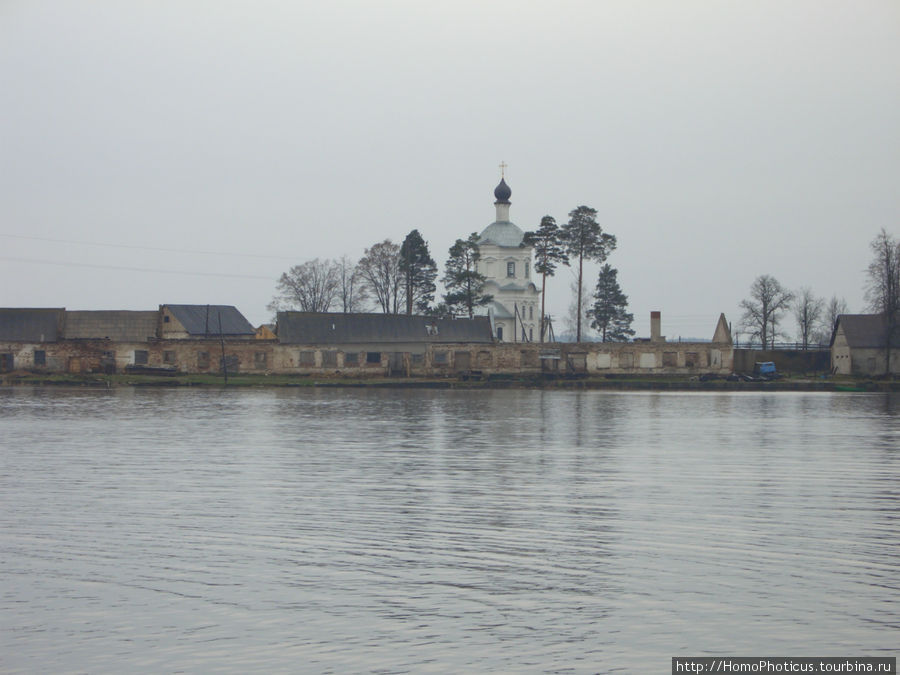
(190, 152)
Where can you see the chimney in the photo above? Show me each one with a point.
(656, 327)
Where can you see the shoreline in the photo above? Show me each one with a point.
(635, 383)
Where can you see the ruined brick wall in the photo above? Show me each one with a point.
(430, 360)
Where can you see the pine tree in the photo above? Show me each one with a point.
(464, 284)
(583, 238)
(608, 313)
(548, 252)
(419, 272)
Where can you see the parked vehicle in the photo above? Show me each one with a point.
(765, 370)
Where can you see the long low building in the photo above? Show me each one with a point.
(187, 339)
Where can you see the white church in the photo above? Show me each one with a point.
(506, 262)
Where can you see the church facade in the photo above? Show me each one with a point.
(506, 263)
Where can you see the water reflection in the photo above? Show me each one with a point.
(369, 530)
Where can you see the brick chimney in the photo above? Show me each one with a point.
(656, 327)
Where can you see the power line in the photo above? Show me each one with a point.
(134, 269)
(146, 248)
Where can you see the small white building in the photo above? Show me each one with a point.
(506, 262)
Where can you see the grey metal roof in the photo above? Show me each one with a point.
(502, 233)
(500, 311)
(325, 328)
(204, 319)
(512, 286)
(865, 331)
(30, 325)
(118, 325)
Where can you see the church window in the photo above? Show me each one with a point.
(510, 269)
(499, 332)
(527, 270)
(531, 312)
(531, 334)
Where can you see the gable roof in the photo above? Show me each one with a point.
(325, 328)
(30, 325)
(722, 332)
(865, 331)
(204, 319)
(119, 325)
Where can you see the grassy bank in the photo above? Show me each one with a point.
(637, 382)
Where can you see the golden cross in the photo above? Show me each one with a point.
(503, 169)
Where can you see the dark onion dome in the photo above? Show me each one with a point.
(502, 192)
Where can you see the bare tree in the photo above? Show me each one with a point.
(352, 294)
(833, 309)
(762, 311)
(379, 270)
(883, 286)
(808, 310)
(310, 287)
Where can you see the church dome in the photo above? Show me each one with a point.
(502, 192)
(505, 234)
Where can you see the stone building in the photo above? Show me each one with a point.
(376, 343)
(327, 345)
(859, 346)
(506, 262)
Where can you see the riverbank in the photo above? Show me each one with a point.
(652, 383)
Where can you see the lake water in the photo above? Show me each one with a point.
(353, 530)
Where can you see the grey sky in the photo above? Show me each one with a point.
(717, 140)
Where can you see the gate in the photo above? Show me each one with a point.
(396, 364)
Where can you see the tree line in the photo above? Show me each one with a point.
(815, 317)
(398, 279)
(395, 279)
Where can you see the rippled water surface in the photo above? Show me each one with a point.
(443, 531)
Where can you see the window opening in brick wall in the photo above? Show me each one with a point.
(203, 359)
(373, 357)
(40, 357)
(140, 357)
(169, 357)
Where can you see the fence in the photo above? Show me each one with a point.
(784, 346)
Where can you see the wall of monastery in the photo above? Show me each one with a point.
(375, 359)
